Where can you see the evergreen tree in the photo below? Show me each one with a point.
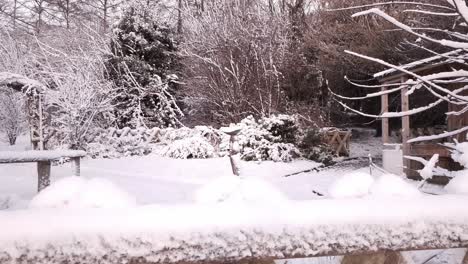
(143, 65)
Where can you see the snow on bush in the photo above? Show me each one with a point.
(116, 147)
(185, 143)
(354, 184)
(78, 192)
(239, 189)
(393, 185)
(189, 148)
(269, 138)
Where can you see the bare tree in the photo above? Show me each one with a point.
(234, 51)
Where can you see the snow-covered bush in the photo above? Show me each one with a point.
(186, 143)
(274, 138)
(269, 138)
(313, 147)
(116, 147)
(79, 192)
(189, 148)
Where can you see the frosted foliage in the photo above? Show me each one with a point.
(235, 189)
(459, 184)
(78, 192)
(354, 184)
(393, 185)
(192, 147)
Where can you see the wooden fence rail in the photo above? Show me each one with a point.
(200, 234)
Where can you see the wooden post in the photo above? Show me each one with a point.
(76, 166)
(387, 257)
(465, 259)
(405, 125)
(43, 175)
(385, 126)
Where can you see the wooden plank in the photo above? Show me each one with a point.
(43, 175)
(385, 124)
(427, 150)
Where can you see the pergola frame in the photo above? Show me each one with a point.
(34, 93)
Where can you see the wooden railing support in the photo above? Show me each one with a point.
(386, 257)
(43, 175)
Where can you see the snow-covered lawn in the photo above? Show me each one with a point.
(154, 179)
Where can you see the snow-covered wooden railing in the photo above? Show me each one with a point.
(230, 232)
(43, 159)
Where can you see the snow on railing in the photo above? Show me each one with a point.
(228, 232)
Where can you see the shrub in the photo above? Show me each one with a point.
(189, 148)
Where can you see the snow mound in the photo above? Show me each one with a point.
(354, 184)
(239, 190)
(459, 184)
(393, 185)
(78, 192)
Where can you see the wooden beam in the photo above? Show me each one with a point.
(385, 126)
(405, 125)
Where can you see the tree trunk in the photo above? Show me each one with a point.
(465, 259)
(12, 139)
(179, 18)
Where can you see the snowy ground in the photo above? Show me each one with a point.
(157, 180)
